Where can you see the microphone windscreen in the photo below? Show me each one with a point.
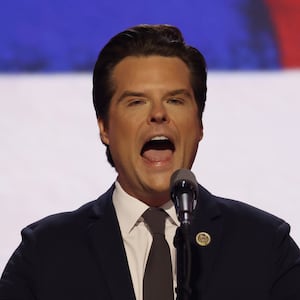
(183, 175)
(184, 194)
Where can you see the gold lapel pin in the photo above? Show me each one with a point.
(203, 238)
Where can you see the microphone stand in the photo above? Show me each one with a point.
(184, 190)
(183, 261)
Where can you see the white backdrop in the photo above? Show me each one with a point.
(51, 159)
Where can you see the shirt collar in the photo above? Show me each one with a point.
(129, 209)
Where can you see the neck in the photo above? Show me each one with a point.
(155, 199)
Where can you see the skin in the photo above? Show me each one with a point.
(153, 97)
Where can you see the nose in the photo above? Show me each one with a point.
(158, 114)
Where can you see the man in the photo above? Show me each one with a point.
(149, 92)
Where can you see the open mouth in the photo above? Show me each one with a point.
(159, 148)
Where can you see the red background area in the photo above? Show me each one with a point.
(285, 15)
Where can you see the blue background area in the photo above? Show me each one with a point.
(52, 35)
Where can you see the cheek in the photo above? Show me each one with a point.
(122, 137)
(194, 134)
(190, 124)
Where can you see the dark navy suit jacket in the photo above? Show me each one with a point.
(80, 255)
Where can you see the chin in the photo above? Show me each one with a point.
(161, 186)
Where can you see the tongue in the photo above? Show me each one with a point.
(157, 155)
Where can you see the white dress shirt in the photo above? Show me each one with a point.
(136, 236)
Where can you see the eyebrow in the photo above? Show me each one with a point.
(168, 94)
(179, 92)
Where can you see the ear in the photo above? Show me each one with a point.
(103, 132)
(200, 131)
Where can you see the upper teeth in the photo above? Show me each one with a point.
(159, 138)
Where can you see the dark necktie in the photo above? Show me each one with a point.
(158, 277)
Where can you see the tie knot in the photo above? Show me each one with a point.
(155, 219)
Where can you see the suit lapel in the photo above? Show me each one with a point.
(108, 249)
(207, 224)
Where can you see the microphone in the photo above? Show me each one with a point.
(184, 193)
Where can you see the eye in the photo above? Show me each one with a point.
(176, 101)
(136, 101)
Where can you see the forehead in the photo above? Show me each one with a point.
(143, 69)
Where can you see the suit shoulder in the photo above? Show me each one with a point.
(234, 210)
(246, 213)
(71, 221)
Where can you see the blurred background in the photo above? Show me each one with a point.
(51, 158)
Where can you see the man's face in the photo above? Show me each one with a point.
(153, 126)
